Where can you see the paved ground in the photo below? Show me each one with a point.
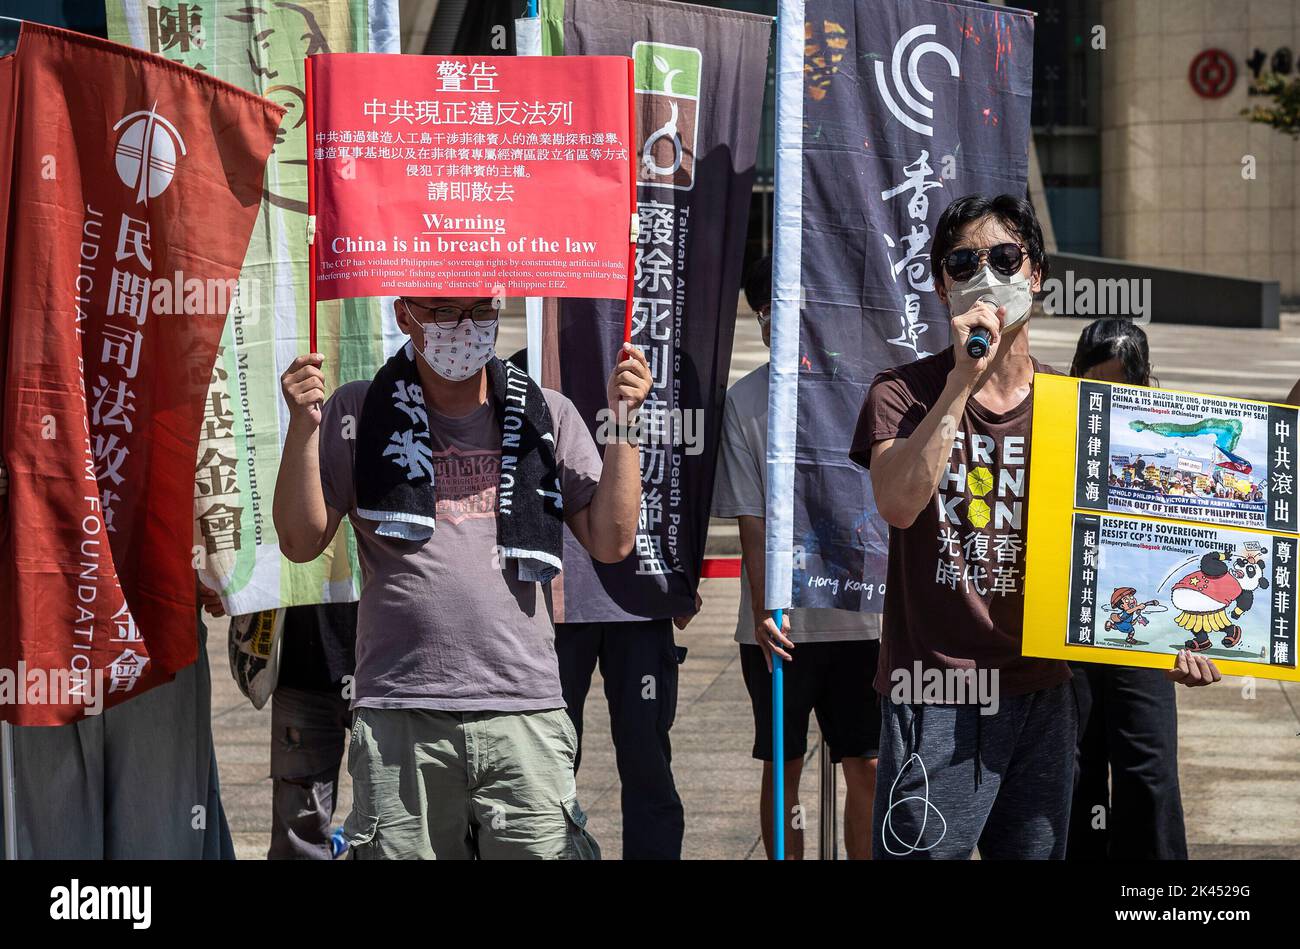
(1239, 747)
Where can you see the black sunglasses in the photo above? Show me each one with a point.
(482, 315)
(1006, 259)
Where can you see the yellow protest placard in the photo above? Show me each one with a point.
(1158, 521)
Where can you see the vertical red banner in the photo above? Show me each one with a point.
(133, 185)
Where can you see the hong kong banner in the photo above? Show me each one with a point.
(261, 46)
(887, 111)
(130, 187)
(446, 175)
(700, 75)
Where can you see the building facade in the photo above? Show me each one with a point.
(1186, 180)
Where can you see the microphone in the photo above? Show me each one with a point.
(977, 345)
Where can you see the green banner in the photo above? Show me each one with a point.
(260, 45)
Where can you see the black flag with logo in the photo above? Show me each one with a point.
(700, 77)
(889, 111)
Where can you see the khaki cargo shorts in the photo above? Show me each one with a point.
(434, 785)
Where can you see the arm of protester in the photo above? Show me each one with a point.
(607, 526)
(1293, 397)
(905, 470)
(681, 622)
(304, 522)
(753, 552)
(1192, 670)
(739, 492)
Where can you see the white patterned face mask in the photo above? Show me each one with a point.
(997, 290)
(459, 352)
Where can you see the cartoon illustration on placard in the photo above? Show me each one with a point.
(1158, 587)
(1171, 458)
(1128, 613)
(1223, 583)
(1177, 528)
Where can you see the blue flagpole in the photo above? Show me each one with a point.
(778, 342)
(532, 9)
(778, 749)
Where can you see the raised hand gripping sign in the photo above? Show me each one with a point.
(470, 176)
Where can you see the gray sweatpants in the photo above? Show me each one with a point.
(137, 782)
(309, 735)
(950, 778)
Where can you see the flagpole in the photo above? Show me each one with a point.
(10, 796)
(778, 748)
(789, 26)
(311, 206)
(7, 793)
(528, 42)
(633, 220)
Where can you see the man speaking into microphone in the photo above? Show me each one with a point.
(946, 440)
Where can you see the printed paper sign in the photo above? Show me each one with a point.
(459, 176)
(1156, 586)
(1192, 457)
(1174, 528)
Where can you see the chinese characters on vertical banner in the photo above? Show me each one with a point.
(909, 254)
(130, 258)
(667, 78)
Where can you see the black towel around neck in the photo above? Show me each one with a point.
(393, 466)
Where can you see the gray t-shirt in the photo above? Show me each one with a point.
(445, 623)
(740, 489)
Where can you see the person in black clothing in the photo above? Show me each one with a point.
(1127, 803)
(310, 722)
(630, 654)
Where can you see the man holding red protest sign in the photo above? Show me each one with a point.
(458, 474)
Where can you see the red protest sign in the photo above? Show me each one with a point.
(463, 175)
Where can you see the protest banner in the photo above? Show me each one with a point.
(470, 176)
(262, 48)
(1172, 522)
(130, 186)
(888, 110)
(699, 77)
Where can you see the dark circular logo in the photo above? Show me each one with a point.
(1213, 74)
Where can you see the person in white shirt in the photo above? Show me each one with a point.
(831, 670)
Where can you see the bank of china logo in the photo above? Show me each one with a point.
(667, 98)
(146, 153)
(904, 87)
